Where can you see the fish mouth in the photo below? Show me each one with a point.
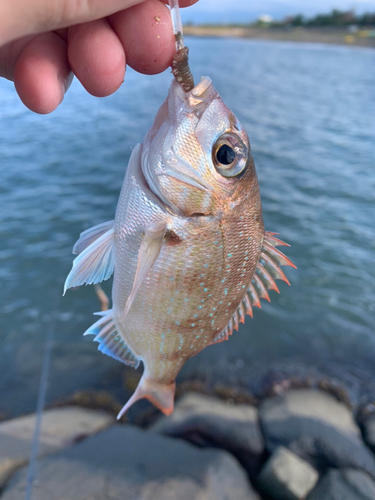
(169, 170)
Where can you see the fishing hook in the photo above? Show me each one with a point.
(180, 63)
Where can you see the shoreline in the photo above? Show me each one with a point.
(296, 443)
(334, 36)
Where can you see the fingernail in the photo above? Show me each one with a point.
(68, 82)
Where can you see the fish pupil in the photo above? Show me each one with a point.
(225, 155)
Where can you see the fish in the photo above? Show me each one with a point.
(187, 248)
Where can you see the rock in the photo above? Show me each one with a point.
(318, 428)
(61, 427)
(344, 484)
(128, 463)
(369, 432)
(287, 477)
(209, 422)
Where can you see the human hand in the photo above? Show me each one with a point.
(43, 42)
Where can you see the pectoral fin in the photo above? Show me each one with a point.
(94, 263)
(148, 253)
(90, 235)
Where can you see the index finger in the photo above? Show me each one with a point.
(19, 18)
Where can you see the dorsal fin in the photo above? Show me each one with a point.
(266, 272)
(110, 341)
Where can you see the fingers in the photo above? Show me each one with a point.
(145, 31)
(42, 73)
(19, 18)
(96, 57)
(40, 64)
(9, 55)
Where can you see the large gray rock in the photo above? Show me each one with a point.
(209, 422)
(61, 427)
(287, 477)
(344, 484)
(318, 428)
(127, 463)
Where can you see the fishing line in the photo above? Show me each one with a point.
(41, 399)
(176, 23)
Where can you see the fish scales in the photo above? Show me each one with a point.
(187, 244)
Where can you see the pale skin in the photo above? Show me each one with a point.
(44, 42)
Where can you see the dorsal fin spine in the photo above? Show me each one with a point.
(266, 277)
(260, 288)
(253, 296)
(247, 304)
(241, 312)
(262, 279)
(235, 321)
(274, 269)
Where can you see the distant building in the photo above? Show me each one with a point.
(265, 19)
(353, 28)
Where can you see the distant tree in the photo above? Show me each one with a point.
(367, 19)
(335, 18)
(298, 20)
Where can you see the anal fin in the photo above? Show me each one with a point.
(110, 341)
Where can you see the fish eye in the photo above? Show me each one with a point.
(225, 155)
(229, 155)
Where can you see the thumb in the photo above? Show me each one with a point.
(19, 18)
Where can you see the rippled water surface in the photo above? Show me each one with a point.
(310, 114)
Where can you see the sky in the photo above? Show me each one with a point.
(227, 11)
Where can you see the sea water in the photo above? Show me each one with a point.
(310, 114)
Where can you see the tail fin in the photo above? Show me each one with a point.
(160, 395)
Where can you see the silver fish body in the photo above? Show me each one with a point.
(187, 247)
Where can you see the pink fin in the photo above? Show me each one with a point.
(253, 296)
(160, 395)
(270, 238)
(274, 268)
(241, 313)
(229, 329)
(276, 255)
(267, 271)
(235, 321)
(219, 338)
(224, 334)
(266, 278)
(260, 288)
(246, 302)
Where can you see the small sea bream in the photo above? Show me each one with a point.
(187, 247)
